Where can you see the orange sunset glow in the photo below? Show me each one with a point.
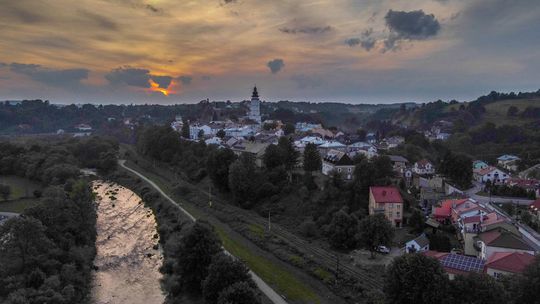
(154, 87)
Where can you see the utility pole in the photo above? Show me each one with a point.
(210, 195)
(269, 223)
(337, 268)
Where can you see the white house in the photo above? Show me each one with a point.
(423, 166)
(419, 244)
(493, 174)
(213, 141)
(194, 131)
(339, 162)
(509, 162)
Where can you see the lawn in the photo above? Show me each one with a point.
(18, 206)
(271, 273)
(20, 187)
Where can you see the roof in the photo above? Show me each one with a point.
(422, 163)
(388, 194)
(504, 239)
(398, 158)
(507, 157)
(456, 263)
(421, 240)
(338, 158)
(446, 207)
(487, 170)
(514, 262)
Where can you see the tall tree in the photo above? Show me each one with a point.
(217, 166)
(244, 180)
(195, 253)
(343, 230)
(222, 273)
(273, 157)
(416, 221)
(478, 289)
(530, 284)
(289, 129)
(5, 191)
(312, 158)
(239, 293)
(375, 230)
(415, 278)
(185, 129)
(458, 168)
(290, 154)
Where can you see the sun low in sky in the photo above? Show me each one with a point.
(181, 51)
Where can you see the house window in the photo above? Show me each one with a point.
(350, 170)
(339, 170)
(397, 214)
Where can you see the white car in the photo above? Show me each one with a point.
(383, 249)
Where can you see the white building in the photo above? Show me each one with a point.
(493, 174)
(423, 166)
(194, 131)
(255, 107)
(419, 244)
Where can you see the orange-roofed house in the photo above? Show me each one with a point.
(444, 212)
(507, 263)
(387, 200)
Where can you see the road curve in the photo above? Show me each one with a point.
(263, 287)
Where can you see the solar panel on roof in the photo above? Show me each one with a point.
(463, 263)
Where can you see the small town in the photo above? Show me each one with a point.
(270, 152)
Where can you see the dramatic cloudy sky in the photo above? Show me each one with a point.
(173, 51)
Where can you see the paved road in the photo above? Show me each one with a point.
(494, 199)
(265, 288)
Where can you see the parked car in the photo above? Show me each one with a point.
(383, 250)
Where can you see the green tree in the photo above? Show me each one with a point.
(289, 129)
(416, 221)
(290, 154)
(273, 157)
(200, 135)
(529, 284)
(185, 129)
(415, 278)
(512, 111)
(375, 230)
(478, 289)
(458, 168)
(343, 230)
(5, 191)
(222, 273)
(312, 158)
(107, 162)
(244, 180)
(217, 166)
(221, 134)
(195, 253)
(239, 293)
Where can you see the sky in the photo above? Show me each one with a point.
(183, 51)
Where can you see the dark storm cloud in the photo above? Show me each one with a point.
(129, 76)
(59, 78)
(136, 77)
(162, 81)
(413, 25)
(306, 82)
(366, 40)
(186, 80)
(306, 30)
(275, 65)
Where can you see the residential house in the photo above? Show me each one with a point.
(196, 130)
(83, 127)
(509, 162)
(387, 200)
(493, 174)
(399, 163)
(507, 263)
(443, 213)
(257, 149)
(423, 167)
(213, 141)
(339, 162)
(364, 148)
(457, 264)
(419, 244)
(532, 185)
(331, 145)
(500, 240)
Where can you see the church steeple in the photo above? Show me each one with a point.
(255, 93)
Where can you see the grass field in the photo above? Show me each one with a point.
(18, 205)
(20, 187)
(272, 274)
(496, 112)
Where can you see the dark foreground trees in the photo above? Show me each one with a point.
(375, 230)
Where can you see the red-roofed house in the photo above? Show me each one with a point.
(387, 200)
(423, 166)
(444, 212)
(500, 240)
(507, 263)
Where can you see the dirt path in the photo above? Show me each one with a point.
(128, 265)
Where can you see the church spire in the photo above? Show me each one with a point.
(255, 93)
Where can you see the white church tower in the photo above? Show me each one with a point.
(255, 107)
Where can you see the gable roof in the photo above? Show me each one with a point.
(507, 157)
(488, 170)
(421, 240)
(398, 158)
(457, 263)
(446, 207)
(423, 163)
(338, 158)
(387, 194)
(514, 262)
(504, 239)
